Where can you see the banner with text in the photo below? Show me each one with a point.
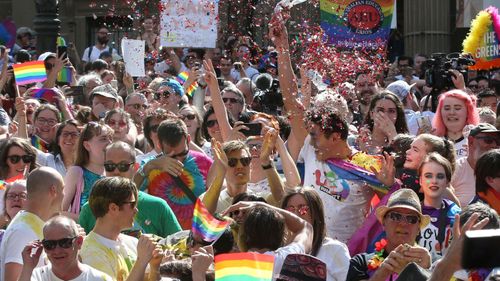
(357, 23)
(190, 23)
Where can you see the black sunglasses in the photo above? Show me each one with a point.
(397, 217)
(164, 94)
(122, 167)
(138, 106)
(245, 161)
(64, 243)
(188, 117)
(231, 100)
(211, 123)
(16, 158)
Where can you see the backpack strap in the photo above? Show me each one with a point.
(90, 51)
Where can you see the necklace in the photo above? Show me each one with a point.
(378, 258)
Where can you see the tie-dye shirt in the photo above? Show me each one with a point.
(114, 258)
(194, 174)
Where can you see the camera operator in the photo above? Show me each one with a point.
(267, 98)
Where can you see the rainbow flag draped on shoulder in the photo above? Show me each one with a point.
(357, 168)
(206, 226)
(244, 267)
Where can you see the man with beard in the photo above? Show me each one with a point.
(365, 87)
(92, 53)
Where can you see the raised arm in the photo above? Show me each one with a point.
(217, 103)
(288, 86)
(290, 170)
(219, 171)
(275, 183)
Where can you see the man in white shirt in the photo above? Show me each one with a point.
(243, 68)
(61, 243)
(92, 53)
(45, 192)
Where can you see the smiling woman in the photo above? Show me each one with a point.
(17, 157)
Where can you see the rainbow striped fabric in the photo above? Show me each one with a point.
(64, 75)
(244, 267)
(205, 225)
(29, 72)
(182, 78)
(39, 144)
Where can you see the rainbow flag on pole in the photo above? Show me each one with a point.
(205, 225)
(29, 72)
(244, 267)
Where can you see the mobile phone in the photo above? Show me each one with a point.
(481, 249)
(254, 129)
(75, 91)
(424, 122)
(62, 50)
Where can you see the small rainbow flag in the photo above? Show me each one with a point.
(30, 72)
(39, 144)
(190, 90)
(182, 77)
(205, 225)
(244, 267)
(64, 76)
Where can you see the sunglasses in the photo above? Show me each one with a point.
(64, 243)
(188, 117)
(113, 123)
(245, 161)
(397, 217)
(14, 159)
(301, 209)
(231, 100)
(489, 140)
(180, 154)
(122, 167)
(138, 106)
(236, 213)
(211, 123)
(164, 94)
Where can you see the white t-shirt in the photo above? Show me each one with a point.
(251, 73)
(88, 274)
(336, 257)
(280, 256)
(260, 188)
(346, 202)
(24, 228)
(96, 53)
(461, 148)
(464, 181)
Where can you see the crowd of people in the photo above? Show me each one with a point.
(100, 176)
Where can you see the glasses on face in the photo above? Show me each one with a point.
(397, 217)
(187, 116)
(14, 159)
(120, 123)
(50, 122)
(230, 100)
(70, 134)
(122, 167)
(190, 57)
(211, 123)
(64, 243)
(301, 209)
(138, 106)
(131, 203)
(489, 140)
(164, 95)
(180, 154)
(245, 161)
(236, 213)
(256, 146)
(14, 196)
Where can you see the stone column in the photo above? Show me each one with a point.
(46, 25)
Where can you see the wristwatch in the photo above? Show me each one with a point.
(268, 166)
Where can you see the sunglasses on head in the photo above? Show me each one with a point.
(245, 161)
(64, 243)
(397, 217)
(188, 117)
(211, 123)
(16, 158)
(122, 167)
(231, 100)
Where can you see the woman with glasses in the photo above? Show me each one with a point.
(121, 123)
(14, 200)
(306, 203)
(189, 114)
(210, 126)
(45, 119)
(63, 153)
(435, 174)
(88, 167)
(17, 159)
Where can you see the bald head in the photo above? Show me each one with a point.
(63, 224)
(41, 180)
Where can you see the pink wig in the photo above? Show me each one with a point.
(470, 104)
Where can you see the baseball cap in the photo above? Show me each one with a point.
(174, 85)
(105, 90)
(400, 88)
(483, 128)
(45, 56)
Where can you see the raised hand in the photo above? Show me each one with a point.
(31, 259)
(387, 170)
(268, 146)
(210, 76)
(220, 156)
(236, 133)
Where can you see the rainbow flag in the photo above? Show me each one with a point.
(244, 267)
(30, 72)
(39, 144)
(64, 75)
(205, 225)
(182, 77)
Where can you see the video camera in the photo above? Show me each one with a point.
(268, 96)
(437, 73)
